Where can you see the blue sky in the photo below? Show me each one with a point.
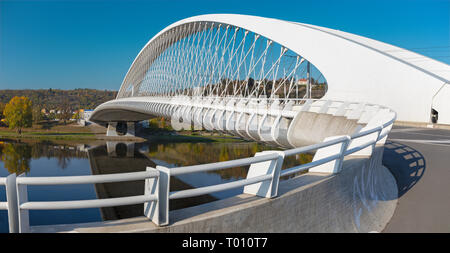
(91, 44)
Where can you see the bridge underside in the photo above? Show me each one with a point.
(116, 115)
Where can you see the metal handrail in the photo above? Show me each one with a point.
(218, 187)
(221, 165)
(306, 166)
(358, 148)
(3, 204)
(89, 179)
(21, 224)
(90, 203)
(301, 150)
(167, 100)
(366, 132)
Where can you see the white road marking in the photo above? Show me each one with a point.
(405, 130)
(441, 135)
(430, 142)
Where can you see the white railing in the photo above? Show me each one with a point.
(20, 221)
(258, 119)
(344, 141)
(262, 178)
(265, 167)
(313, 105)
(10, 205)
(166, 173)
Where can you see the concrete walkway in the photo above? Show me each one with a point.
(419, 159)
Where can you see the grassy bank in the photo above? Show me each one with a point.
(92, 136)
(50, 130)
(184, 137)
(74, 132)
(48, 135)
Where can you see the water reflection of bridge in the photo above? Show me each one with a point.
(124, 157)
(121, 162)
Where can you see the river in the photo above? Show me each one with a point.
(47, 158)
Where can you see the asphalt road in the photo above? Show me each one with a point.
(419, 159)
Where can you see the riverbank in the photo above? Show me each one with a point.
(53, 131)
(75, 132)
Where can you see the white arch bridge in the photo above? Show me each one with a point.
(258, 77)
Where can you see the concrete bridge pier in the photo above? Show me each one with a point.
(121, 128)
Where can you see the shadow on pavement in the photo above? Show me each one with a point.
(405, 163)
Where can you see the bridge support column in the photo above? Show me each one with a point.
(121, 128)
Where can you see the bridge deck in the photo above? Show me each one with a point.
(423, 175)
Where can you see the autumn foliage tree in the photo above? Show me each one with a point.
(2, 107)
(16, 158)
(66, 111)
(18, 113)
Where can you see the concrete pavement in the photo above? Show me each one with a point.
(419, 159)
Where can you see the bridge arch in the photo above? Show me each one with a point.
(208, 57)
(356, 68)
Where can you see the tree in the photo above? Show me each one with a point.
(18, 113)
(76, 115)
(153, 124)
(2, 107)
(16, 157)
(66, 111)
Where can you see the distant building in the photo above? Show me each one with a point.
(302, 81)
(84, 115)
(87, 114)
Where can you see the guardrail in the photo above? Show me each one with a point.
(19, 206)
(262, 179)
(136, 103)
(258, 119)
(10, 205)
(265, 168)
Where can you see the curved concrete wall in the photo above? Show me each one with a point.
(311, 128)
(361, 198)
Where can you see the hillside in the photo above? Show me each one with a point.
(53, 98)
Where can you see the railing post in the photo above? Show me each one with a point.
(267, 189)
(340, 161)
(372, 137)
(22, 197)
(163, 195)
(11, 198)
(335, 166)
(152, 188)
